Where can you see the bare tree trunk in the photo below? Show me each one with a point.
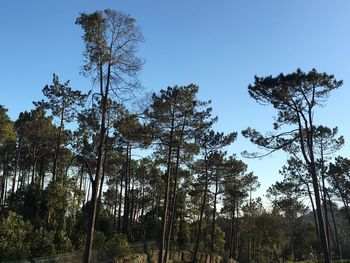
(323, 237)
(96, 182)
(232, 230)
(346, 206)
(58, 146)
(161, 258)
(235, 243)
(335, 228)
(41, 175)
(313, 209)
(324, 192)
(16, 167)
(115, 207)
(3, 180)
(173, 204)
(307, 149)
(214, 215)
(120, 205)
(142, 235)
(126, 191)
(204, 200)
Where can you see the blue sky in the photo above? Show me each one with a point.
(218, 45)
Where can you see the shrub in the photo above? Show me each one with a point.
(14, 237)
(42, 243)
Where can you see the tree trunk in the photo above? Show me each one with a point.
(173, 204)
(323, 237)
(307, 149)
(99, 164)
(324, 191)
(126, 191)
(335, 228)
(58, 146)
(204, 200)
(214, 215)
(16, 166)
(120, 205)
(142, 235)
(161, 258)
(313, 209)
(232, 230)
(3, 180)
(41, 175)
(115, 207)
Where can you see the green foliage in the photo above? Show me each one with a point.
(62, 242)
(26, 202)
(99, 240)
(183, 238)
(104, 223)
(7, 133)
(185, 182)
(152, 227)
(42, 243)
(109, 248)
(219, 241)
(14, 237)
(61, 99)
(116, 246)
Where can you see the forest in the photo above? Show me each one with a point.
(96, 174)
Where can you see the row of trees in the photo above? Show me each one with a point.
(89, 188)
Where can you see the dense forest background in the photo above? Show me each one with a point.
(97, 172)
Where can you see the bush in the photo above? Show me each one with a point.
(14, 237)
(42, 243)
(62, 242)
(117, 246)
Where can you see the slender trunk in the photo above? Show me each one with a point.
(99, 163)
(313, 209)
(292, 236)
(173, 201)
(132, 209)
(236, 232)
(343, 197)
(204, 200)
(136, 214)
(115, 207)
(173, 204)
(322, 230)
(99, 198)
(58, 146)
(81, 178)
(6, 185)
(236, 227)
(232, 230)
(41, 174)
(166, 194)
(120, 205)
(306, 140)
(214, 214)
(324, 192)
(34, 170)
(3, 180)
(335, 228)
(88, 182)
(102, 177)
(142, 236)
(126, 190)
(250, 228)
(16, 166)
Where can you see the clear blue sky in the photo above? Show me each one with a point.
(219, 45)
